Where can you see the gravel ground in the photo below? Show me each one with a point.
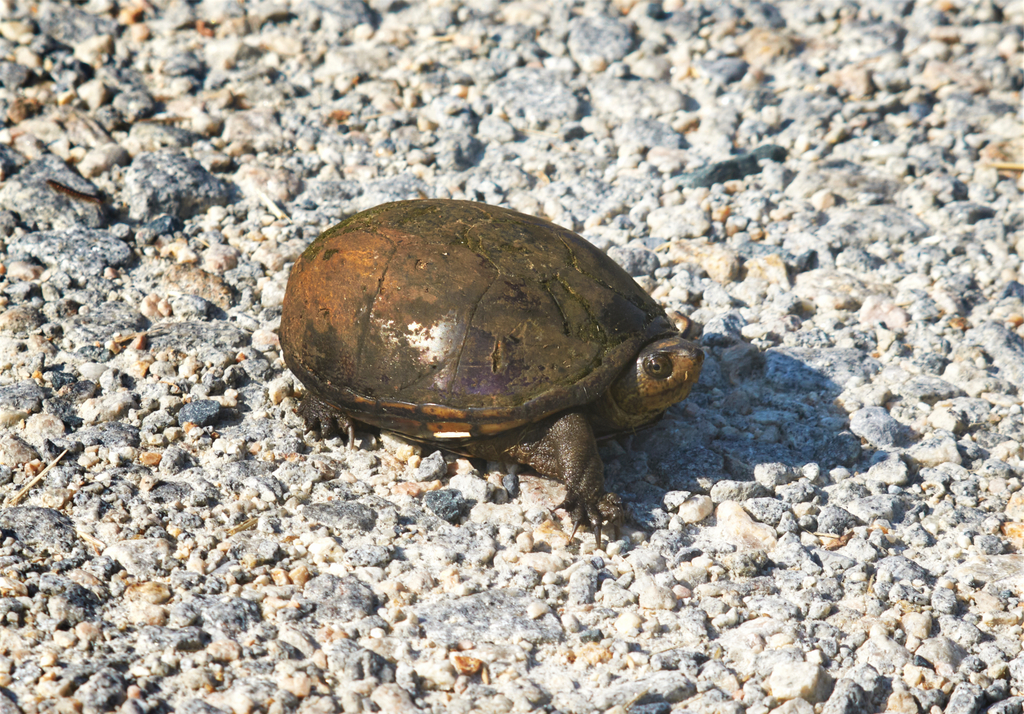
(832, 522)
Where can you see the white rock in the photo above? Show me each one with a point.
(144, 558)
(222, 53)
(472, 487)
(43, 426)
(537, 609)
(884, 654)
(265, 340)
(794, 706)
(654, 596)
(695, 509)
(91, 49)
(740, 529)
(11, 417)
(917, 624)
(91, 370)
(99, 160)
(947, 420)
(683, 221)
(279, 389)
(220, 258)
(773, 474)
(495, 513)
(392, 699)
(14, 452)
(892, 471)
(272, 294)
(628, 624)
(936, 450)
(109, 407)
(94, 93)
(439, 675)
(542, 562)
(943, 654)
(800, 680)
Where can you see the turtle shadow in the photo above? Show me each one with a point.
(749, 408)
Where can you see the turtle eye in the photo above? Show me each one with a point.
(658, 367)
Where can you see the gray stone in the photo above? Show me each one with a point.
(725, 70)
(10, 162)
(41, 207)
(369, 556)
(944, 601)
(191, 307)
(134, 104)
(634, 260)
(352, 663)
(495, 615)
(27, 396)
(535, 99)
(100, 323)
(625, 99)
(871, 508)
(766, 510)
(171, 183)
(201, 412)
(799, 492)
(836, 520)
(13, 75)
(145, 558)
(1005, 348)
(737, 491)
(648, 133)
(343, 599)
(447, 503)
(432, 467)
(864, 225)
(350, 516)
(76, 250)
(666, 687)
(731, 169)
(772, 475)
(1012, 705)
(878, 428)
(103, 692)
(583, 585)
(71, 25)
(230, 617)
(724, 329)
(967, 698)
(40, 528)
(960, 631)
(200, 337)
(929, 390)
(596, 41)
(891, 471)
(897, 567)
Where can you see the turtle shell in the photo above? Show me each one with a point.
(453, 319)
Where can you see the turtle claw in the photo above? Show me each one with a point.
(320, 416)
(607, 510)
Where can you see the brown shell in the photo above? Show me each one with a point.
(451, 319)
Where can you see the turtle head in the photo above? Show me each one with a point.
(663, 374)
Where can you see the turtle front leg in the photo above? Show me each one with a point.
(322, 416)
(562, 447)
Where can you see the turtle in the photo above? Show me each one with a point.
(486, 332)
